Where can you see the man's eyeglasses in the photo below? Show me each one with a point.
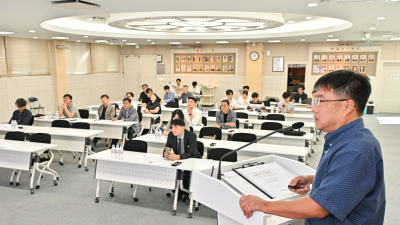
(318, 101)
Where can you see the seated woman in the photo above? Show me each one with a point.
(154, 106)
(21, 115)
(131, 96)
(177, 114)
(244, 98)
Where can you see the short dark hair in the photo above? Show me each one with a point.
(193, 98)
(20, 102)
(179, 79)
(127, 99)
(68, 95)
(178, 122)
(313, 91)
(105, 96)
(225, 100)
(178, 112)
(286, 94)
(229, 92)
(302, 87)
(245, 92)
(194, 83)
(145, 85)
(166, 87)
(254, 95)
(131, 93)
(246, 87)
(347, 84)
(148, 90)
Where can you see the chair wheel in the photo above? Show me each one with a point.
(37, 186)
(16, 173)
(93, 160)
(189, 216)
(315, 142)
(197, 208)
(131, 185)
(17, 184)
(111, 194)
(86, 169)
(41, 176)
(61, 163)
(106, 145)
(11, 183)
(79, 158)
(168, 194)
(149, 189)
(309, 155)
(79, 166)
(135, 199)
(32, 191)
(312, 151)
(55, 182)
(173, 213)
(58, 178)
(73, 157)
(96, 200)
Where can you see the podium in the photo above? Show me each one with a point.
(221, 197)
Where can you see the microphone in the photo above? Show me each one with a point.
(297, 125)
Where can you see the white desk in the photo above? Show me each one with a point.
(148, 120)
(92, 114)
(166, 113)
(296, 105)
(298, 110)
(252, 151)
(17, 155)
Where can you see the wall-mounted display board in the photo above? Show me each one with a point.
(205, 63)
(360, 62)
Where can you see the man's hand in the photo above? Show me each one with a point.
(174, 157)
(217, 126)
(300, 181)
(251, 203)
(162, 101)
(190, 111)
(231, 124)
(180, 95)
(114, 119)
(287, 107)
(144, 105)
(293, 100)
(64, 105)
(174, 85)
(147, 111)
(282, 107)
(166, 154)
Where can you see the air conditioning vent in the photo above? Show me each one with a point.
(75, 4)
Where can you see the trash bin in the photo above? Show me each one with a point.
(370, 107)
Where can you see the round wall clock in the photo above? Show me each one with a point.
(254, 56)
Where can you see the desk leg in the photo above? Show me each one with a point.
(125, 136)
(174, 207)
(36, 161)
(89, 148)
(96, 200)
(190, 209)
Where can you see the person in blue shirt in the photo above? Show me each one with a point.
(168, 96)
(349, 186)
(21, 115)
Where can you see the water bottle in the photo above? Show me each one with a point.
(112, 152)
(13, 125)
(134, 98)
(121, 153)
(90, 108)
(300, 100)
(49, 114)
(216, 105)
(143, 108)
(206, 113)
(56, 116)
(97, 117)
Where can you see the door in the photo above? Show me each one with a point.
(391, 94)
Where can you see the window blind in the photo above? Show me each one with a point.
(3, 65)
(77, 58)
(104, 58)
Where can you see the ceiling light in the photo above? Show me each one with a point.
(197, 42)
(34, 37)
(131, 43)
(258, 20)
(394, 0)
(7, 32)
(111, 43)
(363, 39)
(90, 19)
(175, 43)
(235, 18)
(153, 43)
(61, 38)
(330, 35)
(380, 18)
(127, 21)
(274, 41)
(85, 36)
(308, 18)
(32, 31)
(271, 22)
(302, 39)
(148, 40)
(174, 17)
(247, 41)
(372, 28)
(290, 21)
(394, 39)
(333, 39)
(222, 42)
(205, 17)
(147, 18)
(312, 4)
(123, 40)
(78, 40)
(101, 41)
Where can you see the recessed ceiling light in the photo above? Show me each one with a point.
(333, 39)
(380, 18)
(61, 38)
(127, 21)
(197, 42)
(312, 4)
(175, 43)
(222, 42)
(235, 18)
(90, 19)
(330, 35)
(131, 43)
(394, 39)
(290, 21)
(372, 28)
(258, 20)
(85, 36)
(147, 18)
(7, 32)
(363, 39)
(34, 37)
(271, 22)
(247, 41)
(32, 31)
(308, 18)
(78, 40)
(123, 40)
(148, 40)
(274, 41)
(205, 17)
(174, 17)
(302, 39)
(101, 41)
(111, 43)
(153, 43)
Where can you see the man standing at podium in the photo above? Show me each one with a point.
(348, 187)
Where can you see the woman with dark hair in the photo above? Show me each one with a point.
(177, 114)
(21, 115)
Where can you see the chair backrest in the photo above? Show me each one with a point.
(139, 108)
(212, 113)
(135, 146)
(40, 138)
(191, 128)
(15, 136)
(200, 148)
(172, 105)
(279, 117)
(201, 93)
(237, 123)
(80, 125)
(244, 137)
(176, 99)
(217, 153)
(84, 113)
(39, 115)
(242, 115)
(32, 120)
(140, 115)
(204, 120)
(116, 106)
(32, 99)
(60, 123)
(211, 131)
(271, 126)
(266, 103)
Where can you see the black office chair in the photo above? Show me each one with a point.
(172, 105)
(271, 126)
(242, 115)
(176, 99)
(116, 106)
(244, 137)
(217, 153)
(84, 113)
(139, 109)
(212, 113)
(266, 103)
(204, 120)
(44, 161)
(211, 131)
(279, 117)
(237, 123)
(81, 125)
(200, 148)
(191, 128)
(60, 123)
(15, 136)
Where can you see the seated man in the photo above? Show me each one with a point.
(311, 102)
(168, 96)
(106, 111)
(246, 88)
(128, 113)
(194, 90)
(184, 146)
(68, 109)
(146, 100)
(178, 86)
(225, 118)
(244, 99)
(21, 115)
(185, 94)
(143, 96)
(231, 100)
(286, 106)
(300, 94)
(256, 101)
(192, 114)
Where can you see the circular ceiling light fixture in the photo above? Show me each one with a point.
(78, 40)
(302, 39)
(197, 42)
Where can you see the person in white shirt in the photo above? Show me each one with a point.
(192, 114)
(194, 90)
(229, 97)
(246, 88)
(244, 99)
